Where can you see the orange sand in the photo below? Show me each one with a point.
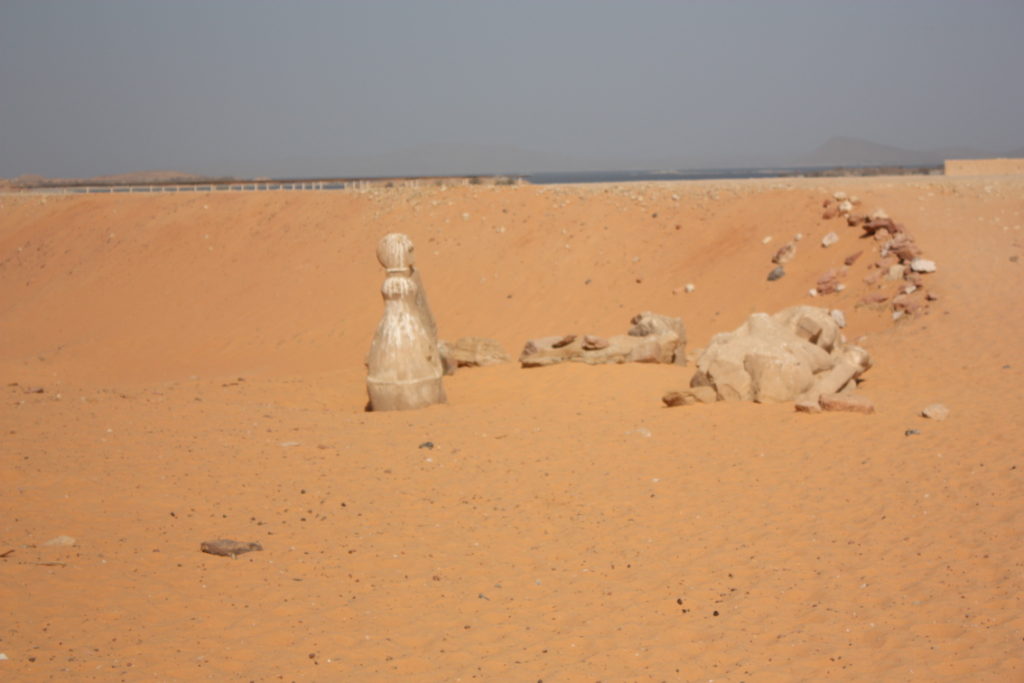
(201, 361)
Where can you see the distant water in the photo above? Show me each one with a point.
(693, 174)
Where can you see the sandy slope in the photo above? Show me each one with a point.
(201, 364)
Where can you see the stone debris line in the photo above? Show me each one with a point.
(404, 368)
(653, 338)
(798, 354)
(899, 261)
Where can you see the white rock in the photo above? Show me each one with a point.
(689, 287)
(936, 411)
(812, 291)
(766, 240)
(838, 316)
(60, 541)
(879, 214)
(845, 207)
(829, 239)
(922, 265)
(839, 196)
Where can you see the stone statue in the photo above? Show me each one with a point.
(404, 366)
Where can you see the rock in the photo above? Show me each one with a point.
(920, 265)
(855, 219)
(829, 213)
(904, 247)
(798, 353)
(61, 541)
(653, 338)
(845, 207)
(852, 258)
(807, 407)
(839, 196)
(879, 215)
(227, 548)
(688, 397)
(777, 272)
(472, 352)
(654, 324)
(689, 288)
(896, 272)
(829, 239)
(564, 341)
(838, 316)
(853, 403)
(907, 305)
(785, 253)
(828, 283)
(875, 224)
(874, 298)
(935, 411)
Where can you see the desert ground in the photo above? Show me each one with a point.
(180, 368)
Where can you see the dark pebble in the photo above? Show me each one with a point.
(911, 432)
(427, 444)
(776, 273)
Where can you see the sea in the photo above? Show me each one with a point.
(554, 178)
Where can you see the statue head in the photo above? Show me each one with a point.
(395, 252)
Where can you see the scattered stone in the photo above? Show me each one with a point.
(592, 342)
(935, 411)
(429, 445)
(839, 196)
(828, 283)
(777, 272)
(896, 272)
(911, 432)
(829, 213)
(855, 219)
(904, 247)
(766, 240)
(853, 403)
(838, 316)
(564, 341)
(61, 541)
(812, 292)
(931, 296)
(689, 397)
(845, 207)
(227, 548)
(920, 265)
(874, 298)
(807, 407)
(32, 390)
(852, 258)
(689, 288)
(785, 253)
(829, 239)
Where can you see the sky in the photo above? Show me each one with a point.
(310, 88)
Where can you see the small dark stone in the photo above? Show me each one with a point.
(776, 273)
(715, 613)
(679, 601)
(911, 432)
(427, 444)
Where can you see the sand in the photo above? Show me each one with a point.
(200, 361)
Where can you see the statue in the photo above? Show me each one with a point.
(404, 366)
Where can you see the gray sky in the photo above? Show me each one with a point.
(246, 87)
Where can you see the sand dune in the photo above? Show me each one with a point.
(200, 361)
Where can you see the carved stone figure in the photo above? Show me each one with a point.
(404, 366)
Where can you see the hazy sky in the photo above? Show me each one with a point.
(282, 88)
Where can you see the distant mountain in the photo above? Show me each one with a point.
(847, 151)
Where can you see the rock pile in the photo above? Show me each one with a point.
(653, 338)
(896, 280)
(798, 354)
